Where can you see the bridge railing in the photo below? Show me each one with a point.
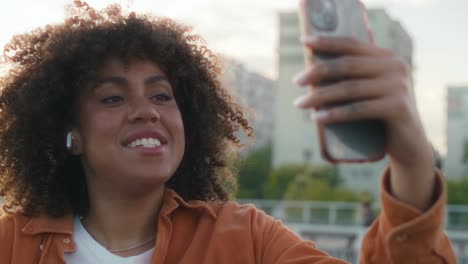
(340, 213)
(457, 217)
(343, 220)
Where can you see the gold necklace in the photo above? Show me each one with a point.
(132, 247)
(127, 248)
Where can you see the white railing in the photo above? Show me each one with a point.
(342, 220)
(340, 213)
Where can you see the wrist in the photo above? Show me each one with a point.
(414, 184)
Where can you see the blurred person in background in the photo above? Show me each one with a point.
(115, 134)
(367, 215)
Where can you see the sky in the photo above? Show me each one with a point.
(247, 30)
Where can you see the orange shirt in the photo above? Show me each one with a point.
(201, 232)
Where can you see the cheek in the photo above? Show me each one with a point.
(181, 129)
(99, 125)
(177, 125)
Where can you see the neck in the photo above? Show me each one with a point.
(120, 220)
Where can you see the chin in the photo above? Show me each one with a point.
(150, 177)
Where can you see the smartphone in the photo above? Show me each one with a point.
(350, 142)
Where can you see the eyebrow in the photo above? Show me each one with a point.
(121, 81)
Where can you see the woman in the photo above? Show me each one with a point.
(114, 137)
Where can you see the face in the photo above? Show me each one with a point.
(130, 129)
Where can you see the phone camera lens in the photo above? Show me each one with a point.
(328, 19)
(324, 15)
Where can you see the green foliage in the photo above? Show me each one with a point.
(321, 184)
(229, 173)
(294, 181)
(465, 151)
(253, 173)
(458, 194)
(329, 174)
(279, 179)
(457, 191)
(305, 187)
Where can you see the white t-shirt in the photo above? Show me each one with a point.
(89, 251)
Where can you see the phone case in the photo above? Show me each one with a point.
(351, 142)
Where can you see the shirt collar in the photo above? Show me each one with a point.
(48, 224)
(64, 225)
(172, 201)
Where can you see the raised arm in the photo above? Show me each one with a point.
(377, 85)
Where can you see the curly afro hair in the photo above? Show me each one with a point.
(38, 102)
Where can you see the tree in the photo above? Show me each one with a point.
(457, 194)
(326, 173)
(279, 178)
(308, 188)
(465, 151)
(457, 191)
(253, 173)
(321, 184)
(305, 187)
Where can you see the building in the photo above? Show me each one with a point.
(390, 34)
(295, 137)
(456, 162)
(255, 92)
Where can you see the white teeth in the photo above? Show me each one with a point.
(145, 142)
(138, 142)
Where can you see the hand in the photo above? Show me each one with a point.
(378, 86)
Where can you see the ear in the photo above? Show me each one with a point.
(76, 146)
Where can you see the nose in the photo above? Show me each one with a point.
(143, 110)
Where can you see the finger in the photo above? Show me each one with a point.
(344, 45)
(363, 110)
(304, 101)
(304, 77)
(346, 91)
(351, 67)
(354, 90)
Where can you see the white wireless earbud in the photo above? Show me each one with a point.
(69, 141)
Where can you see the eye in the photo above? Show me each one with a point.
(111, 100)
(162, 97)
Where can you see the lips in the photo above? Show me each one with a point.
(150, 138)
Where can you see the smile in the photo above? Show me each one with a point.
(144, 142)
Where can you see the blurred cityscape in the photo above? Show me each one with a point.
(283, 172)
(273, 116)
